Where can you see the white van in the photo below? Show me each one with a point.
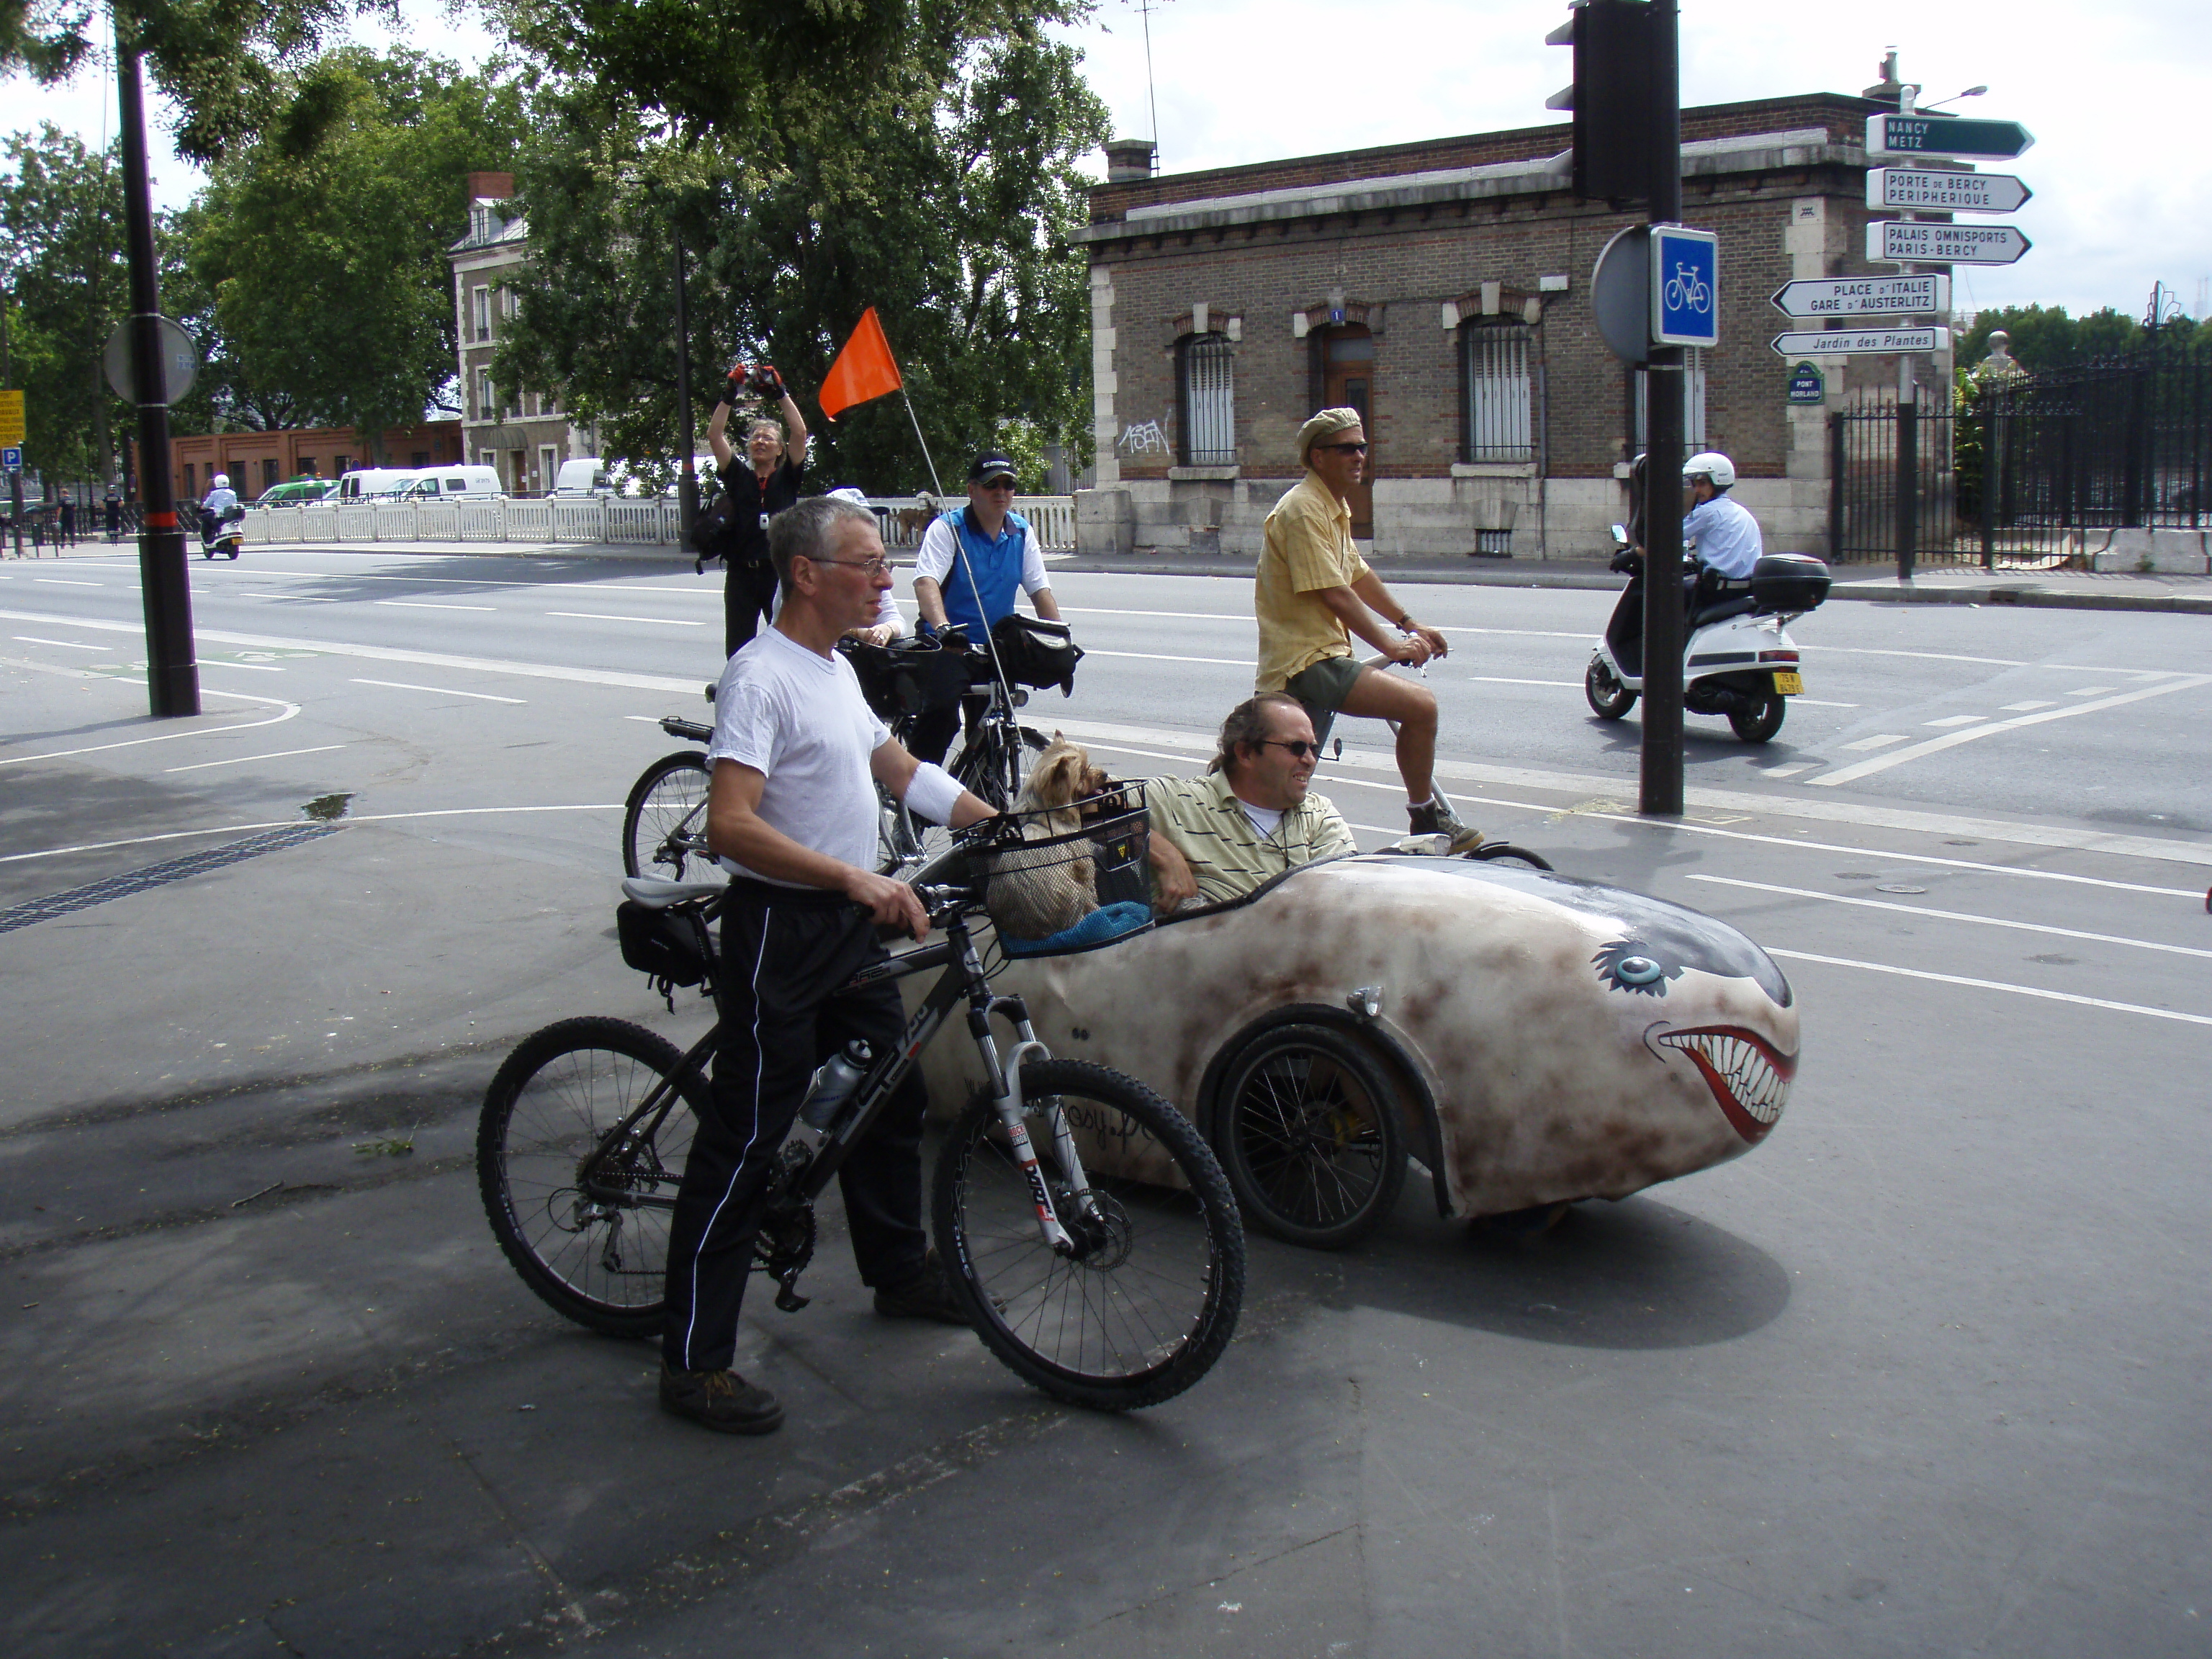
(441, 483)
(376, 483)
(585, 476)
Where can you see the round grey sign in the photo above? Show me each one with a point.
(180, 362)
(1620, 295)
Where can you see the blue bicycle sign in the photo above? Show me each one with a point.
(1685, 286)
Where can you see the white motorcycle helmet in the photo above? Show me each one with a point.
(222, 481)
(1711, 464)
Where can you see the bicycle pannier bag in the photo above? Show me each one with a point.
(1037, 652)
(657, 943)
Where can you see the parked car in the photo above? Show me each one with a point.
(1531, 1039)
(588, 475)
(300, 492)
(435, 484)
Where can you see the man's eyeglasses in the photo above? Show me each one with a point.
(1298, 748)
(876, 566)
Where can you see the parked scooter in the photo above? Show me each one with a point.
(223, 533)
(1738, 660)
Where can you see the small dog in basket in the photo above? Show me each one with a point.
(1036, 894)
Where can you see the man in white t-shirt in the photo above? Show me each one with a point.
(791, 810)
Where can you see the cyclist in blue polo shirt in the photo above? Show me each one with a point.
(975, 590)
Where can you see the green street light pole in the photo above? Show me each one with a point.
(173, 676)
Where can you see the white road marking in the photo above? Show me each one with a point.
(291, 710)
(1993, 985)
(1162, 656)
(1789, 771)
(240, 760)
(1952, 915)
(1951, 739)
(430, 604)
(1821, 702)
(218, 662)
(65, 581)
(439, 690)
(1908, 820)
(596, 615)
(66, 645)
(1956, 720)
(1877, 743)
(2028, 707)
(294, 824)
(2091, 690)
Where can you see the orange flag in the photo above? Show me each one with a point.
(864, 369)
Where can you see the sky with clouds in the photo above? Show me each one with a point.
(2121, 169)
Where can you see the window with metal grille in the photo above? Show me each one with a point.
(1208, 396)
(1494, 359)
(1693, 407)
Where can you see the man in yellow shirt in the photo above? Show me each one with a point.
(1314, 592)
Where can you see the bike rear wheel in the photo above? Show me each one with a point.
(665, 820)
(600, 1258)
(1150, 1302)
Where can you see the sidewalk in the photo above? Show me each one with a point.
(2061, 589)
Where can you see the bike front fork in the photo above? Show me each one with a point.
(1007, 1079)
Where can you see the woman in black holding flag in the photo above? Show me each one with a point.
(759, 485)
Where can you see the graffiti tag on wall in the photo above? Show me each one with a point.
(1144, 438)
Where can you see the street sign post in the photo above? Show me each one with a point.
(1932, 242)
(11, 418)
(1686, 286)
(1968, 139)
(1932, 191)
(1864, 296)
(1877, 341)
(1807, 384)
(11, 458)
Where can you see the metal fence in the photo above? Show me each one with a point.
(2032, 471)
(651, 522)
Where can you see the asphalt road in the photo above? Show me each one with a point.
(1922, 1373)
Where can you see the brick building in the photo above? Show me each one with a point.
(523, 434)
(255, 460)
(1443, 289)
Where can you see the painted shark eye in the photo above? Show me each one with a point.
(1637, 971)
(1637, 965)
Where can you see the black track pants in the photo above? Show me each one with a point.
(748, 596)
(784, 954)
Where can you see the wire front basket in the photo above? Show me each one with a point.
(1062, 879)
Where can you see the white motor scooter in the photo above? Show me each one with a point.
(1738, 661)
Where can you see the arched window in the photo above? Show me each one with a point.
(1206, 393)
(1494, 378)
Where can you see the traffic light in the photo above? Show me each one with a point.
(1611, 97)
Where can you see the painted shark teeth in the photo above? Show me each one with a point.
(1749, 1079)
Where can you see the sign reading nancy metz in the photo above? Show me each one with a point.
(1946, 135)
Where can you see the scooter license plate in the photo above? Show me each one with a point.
(1788, 684)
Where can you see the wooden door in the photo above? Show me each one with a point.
(1347, 382)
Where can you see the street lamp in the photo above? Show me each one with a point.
(1971, 92)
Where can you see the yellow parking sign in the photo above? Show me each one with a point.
(11, 418)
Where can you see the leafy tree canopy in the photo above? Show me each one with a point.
(2046, 337)
(326, 262)
(950, 216)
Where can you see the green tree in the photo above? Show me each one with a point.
(325, 251)
(2046, 337)
(950, 216)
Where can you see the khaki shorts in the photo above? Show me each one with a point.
(1322, 687)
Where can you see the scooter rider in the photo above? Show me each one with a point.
(1718, 526)
(220, 498)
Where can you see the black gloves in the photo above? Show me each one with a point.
(734, 387)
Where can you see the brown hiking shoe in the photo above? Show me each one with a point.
(1437, 818)
(928, 1295)
(720, 1400)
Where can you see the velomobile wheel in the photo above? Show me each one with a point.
(1307, 1128)
(1504, 852)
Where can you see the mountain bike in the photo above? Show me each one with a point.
(1091, 1234)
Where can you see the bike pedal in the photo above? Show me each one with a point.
(790, 1300)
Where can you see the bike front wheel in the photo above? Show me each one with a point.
(1149, 1298)
(665, 820)
(588, 1234)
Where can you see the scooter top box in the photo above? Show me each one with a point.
(1788, 582)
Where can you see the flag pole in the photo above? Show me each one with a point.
(935, 483)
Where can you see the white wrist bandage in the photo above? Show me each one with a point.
(932, 793)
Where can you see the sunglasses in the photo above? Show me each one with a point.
(1299, 748)
(1348, 449)
(997, 483)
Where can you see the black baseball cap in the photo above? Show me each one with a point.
(991, 465)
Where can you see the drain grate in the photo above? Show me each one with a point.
(157, 875)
